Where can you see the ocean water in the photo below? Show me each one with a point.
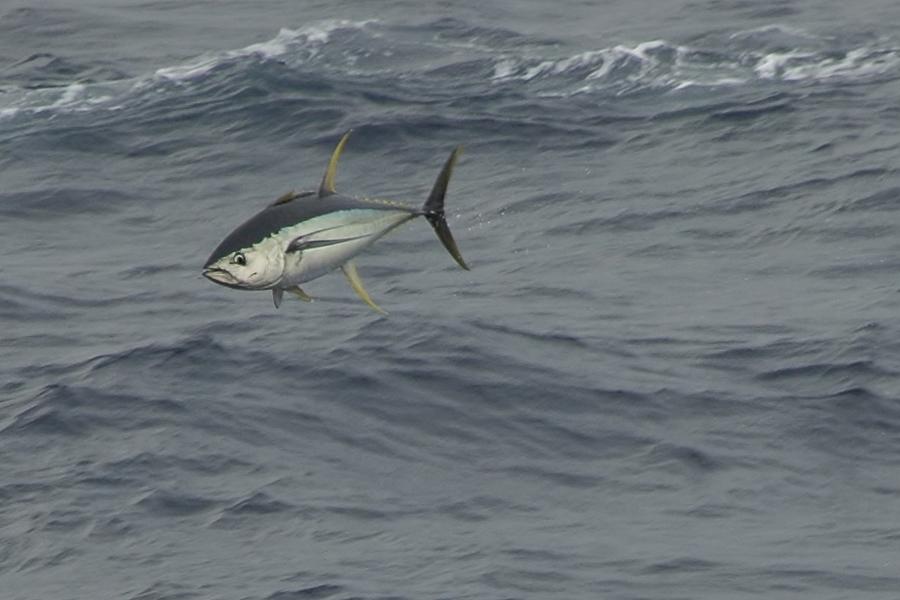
(672, 373)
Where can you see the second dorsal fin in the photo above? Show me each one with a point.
(327, 186)
(291, 196)
(285, 198)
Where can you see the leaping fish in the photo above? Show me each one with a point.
(304, 235)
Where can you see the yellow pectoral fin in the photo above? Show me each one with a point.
(301, 294)
(356, 283)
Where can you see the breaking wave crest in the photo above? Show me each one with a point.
(660, 64)
(303, 44)
(408, 56)
(300, 44)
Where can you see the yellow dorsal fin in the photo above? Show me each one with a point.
(300, 294)
(327, 186)
(356, 283)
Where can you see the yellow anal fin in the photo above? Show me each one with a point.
(327, 186)
(356, 283)
(300, 294)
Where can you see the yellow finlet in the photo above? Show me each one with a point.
(327, 186)
(349, 269)
(300, 294)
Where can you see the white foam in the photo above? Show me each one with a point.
(309, 38)
(641, 54)
(80, 96)
(808, 66)
(772, 65)
(720, 82)
(188, 71)
(504, 69)
(660, 64)
(644, 49)
(578, 61)
(858, 63)
(618, 68)
(71, 95)
(598, 62)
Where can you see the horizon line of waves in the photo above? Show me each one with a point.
(659, 64)
(303, 44)
(310, 38)
(772, 54)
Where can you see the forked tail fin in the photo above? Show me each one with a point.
(434, 209)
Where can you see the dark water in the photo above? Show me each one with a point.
(673, 371)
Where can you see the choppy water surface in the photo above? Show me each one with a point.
(671, 373)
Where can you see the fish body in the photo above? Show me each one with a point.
(302, 236)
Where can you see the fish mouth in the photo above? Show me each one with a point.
(221, 276)
(224, 277)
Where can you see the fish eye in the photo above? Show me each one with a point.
(239, 259)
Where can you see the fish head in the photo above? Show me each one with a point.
(256, 267)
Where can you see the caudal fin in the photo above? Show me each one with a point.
(434, 209)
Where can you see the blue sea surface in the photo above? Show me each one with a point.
(673, 371)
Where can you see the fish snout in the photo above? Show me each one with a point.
(220, 276)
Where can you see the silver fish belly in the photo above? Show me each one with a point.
(358, 229)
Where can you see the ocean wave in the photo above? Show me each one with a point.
(461, 57)
(740, 60)
(77, 410)
(797, 65)
(301, 44)
(72, 97)
(310, 593)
